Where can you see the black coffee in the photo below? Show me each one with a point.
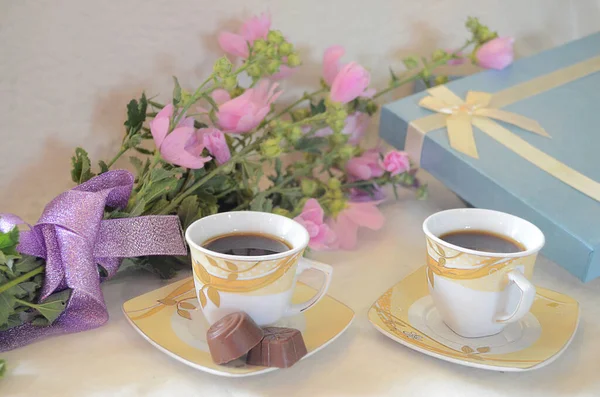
(246, 244)
(480, 240)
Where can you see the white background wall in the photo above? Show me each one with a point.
(68, 67)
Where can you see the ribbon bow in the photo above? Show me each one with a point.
(476, 110)
(73, 239)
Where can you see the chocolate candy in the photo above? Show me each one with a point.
(232, 336)
(280, 347)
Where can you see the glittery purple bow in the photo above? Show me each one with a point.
(73, 239)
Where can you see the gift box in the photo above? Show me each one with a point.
(523, 140)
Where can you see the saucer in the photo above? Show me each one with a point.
(406, 314)
(171, 320)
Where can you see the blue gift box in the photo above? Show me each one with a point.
(501, 178)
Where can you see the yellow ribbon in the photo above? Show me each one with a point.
(480, 109)
(461, 115)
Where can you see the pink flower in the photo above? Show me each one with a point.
(366, 166)
(216, 144)
(358, 195)
(321, 236)
(457, 61)
(396, 162)
(355, 215)
(496, 53)
(351, 82)
(245, 112)
(331, 63)
(356, 126)
(183, 146)
(220, 96)
(256, 27)
(284, 72)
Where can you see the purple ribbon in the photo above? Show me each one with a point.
(73, 239)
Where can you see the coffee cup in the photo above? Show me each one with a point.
(477, 293)
(260, 285)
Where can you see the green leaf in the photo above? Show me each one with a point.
(103, 167)
(319, 108)
(138, 208)
(138, 165)
(393, 76)
(8, 246)
(14, 320)
(176, 91)
(134, 141)
(136, 114)
(158, 174)
(158, 205)
(166, 266)
(81, 171)
(26, 264)
(311, 145)
(7, 303)
(411, 62)
(189, 211)
(2, 368)
(53, 306)
(422, 192)
(144, 151)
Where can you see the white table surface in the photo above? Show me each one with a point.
(115, 361)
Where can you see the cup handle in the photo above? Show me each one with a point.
(527, 296)
(303, 265)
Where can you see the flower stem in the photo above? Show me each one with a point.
(20, 279)
(117, 156)
(299, 101)
(175, 202)
(417, 76)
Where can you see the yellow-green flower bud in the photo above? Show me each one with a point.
(337, 139)
(254, 70)
(185, 96)
(286, 49)
(438, 55)
(426, 73)
(334, 183)
(222, 67)
(337, 206)
(237, 91)
(281, 211)
(293, 60)
(260, 45)
(337, 194)
(273, 66)
(441, 79)
(271, 52)
(300, 114)
(339, 125)
(273, 124)
(371, 108)
(308, 187)
(346, 152)
(229, 83)
(275, 37)
(294, 135)
(270, 148)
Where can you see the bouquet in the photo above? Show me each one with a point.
(223, 145)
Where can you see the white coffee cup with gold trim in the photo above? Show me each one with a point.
(478, 293)
(261, 286)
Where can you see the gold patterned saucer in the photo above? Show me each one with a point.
(171, 320)
(406, 314)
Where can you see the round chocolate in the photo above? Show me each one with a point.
(280, 347)
(232, 336)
